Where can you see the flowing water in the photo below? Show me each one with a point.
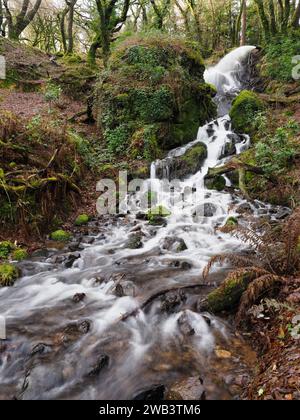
(104, 328)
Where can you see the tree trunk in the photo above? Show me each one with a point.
(243, 23)
(296, 17)
(70, 47)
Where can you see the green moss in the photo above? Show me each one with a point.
(154, 97)
(60, 236)
(6, 248)
(82, 219)
(8, 274)
(217, 183)
(19, 254)
(228, 295)
(232, 222)
(159, 211)
(243, 111)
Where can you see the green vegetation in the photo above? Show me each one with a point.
(60, 236)
(275, 153)
(141, 110)
(5, 249)
(278, 61)
(217, 183)
(82, 219)
(8, 275)
(228, 295)
(243, 111)
(19, 254)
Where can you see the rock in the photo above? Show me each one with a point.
(101, 363)
(125, 288)
(184, 325)
(244, 208)
(135, 241)
(243, 111)
(205, 210)
(141, 216)
(229, 293)
(187, 389)
(155, 392)
(79, 297)
(75, 246)
(183, 265)
(171, 300)
(217, 183)
(40, 349)
(71, 259)
(84, 327)
(158, 221)
(174, 244)
(282, 214)
(180, 167)
(89, 240)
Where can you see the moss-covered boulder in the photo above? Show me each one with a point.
(8, 274)
(228, 295)
(154, 97)
(182, 166)
(243, 111)
(19, 254)
(82, 219)
(60, 236)
(217, 183)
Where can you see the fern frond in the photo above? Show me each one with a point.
(238, 261)
(255, 290)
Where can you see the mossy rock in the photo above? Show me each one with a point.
(232, 222)
(154, 97)
(82, 219)
(8, 275)
(19, 254)
(227, 296)
(217, 183)
(159, 211)
(189, 163)
(135, 241)
(243, 111)
(60, 236)
(6, 247)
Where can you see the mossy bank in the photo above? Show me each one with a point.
(153, 98)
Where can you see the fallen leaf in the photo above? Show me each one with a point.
(223, 354)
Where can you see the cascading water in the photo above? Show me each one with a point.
(104, 328)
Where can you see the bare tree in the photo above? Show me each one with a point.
(18, 22)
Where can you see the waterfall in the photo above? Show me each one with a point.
(57, 343)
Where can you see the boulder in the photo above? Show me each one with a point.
(187, 389)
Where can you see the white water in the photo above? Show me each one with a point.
(40, 306)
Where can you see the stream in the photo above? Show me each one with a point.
(93, 321)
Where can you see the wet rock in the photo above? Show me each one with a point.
(156, 392)
(174, 244)
(216, 183)
(282, 214)
(41, 253)
(244, 208)
(79, 297)
(75, 246)
(135, 241)
(125, 288)
(158, 221)
(89, 240)
(184, 325)
(183, 265)
(170, 301)
(71, 259)
(141, 216)
(84, 327)
(205, 210)
(40, 349)
(101, 363)
(188, 389)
